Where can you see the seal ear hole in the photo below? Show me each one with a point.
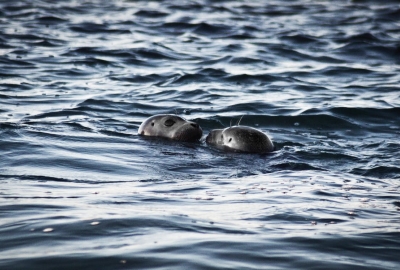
(230, 139)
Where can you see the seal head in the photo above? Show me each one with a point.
(171, 127)
(240, 139)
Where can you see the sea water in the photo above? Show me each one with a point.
(79, 189)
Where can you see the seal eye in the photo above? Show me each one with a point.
(169, 122)
(152, 124)
(230, 139)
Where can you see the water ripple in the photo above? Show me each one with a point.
(77, 181)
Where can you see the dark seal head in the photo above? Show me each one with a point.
(240, 139)
(171, 127)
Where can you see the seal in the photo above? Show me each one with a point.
(171, 127)
(240, 139)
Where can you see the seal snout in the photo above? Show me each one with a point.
(214, 137)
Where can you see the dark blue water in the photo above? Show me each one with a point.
(79, 189)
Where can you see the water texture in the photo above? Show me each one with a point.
(79, 189)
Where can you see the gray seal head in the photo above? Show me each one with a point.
(240, 139)
(171, 127)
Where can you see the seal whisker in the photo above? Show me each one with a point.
(240, 120)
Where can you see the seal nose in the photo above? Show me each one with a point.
(195, 125)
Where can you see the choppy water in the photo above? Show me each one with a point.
(80, 190)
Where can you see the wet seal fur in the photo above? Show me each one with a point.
(172, 127)
(240, 139)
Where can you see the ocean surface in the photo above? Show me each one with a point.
(79, 189)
